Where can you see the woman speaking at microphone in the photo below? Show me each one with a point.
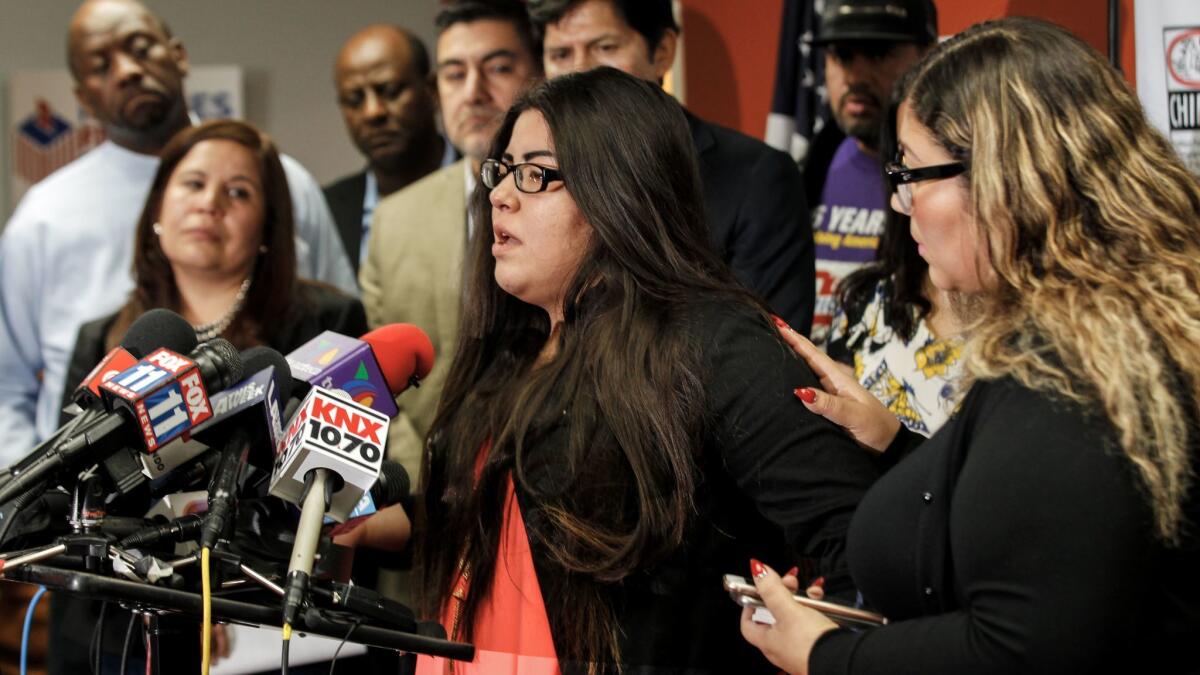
(216, 244)
(614, 435)
(1052, 526)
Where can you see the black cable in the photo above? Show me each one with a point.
(333, 663)
(283, 663)
(20, 502)
(125, 643)
(96, 645)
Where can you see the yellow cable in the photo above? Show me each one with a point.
(287, 631)
(206, 624)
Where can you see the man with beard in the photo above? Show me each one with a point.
(385, 96)
(412, 273)
(869, 45)
(65, 255)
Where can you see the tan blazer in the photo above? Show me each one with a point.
(413, 274)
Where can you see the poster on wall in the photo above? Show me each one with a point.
(1167, 34)
(48, 128)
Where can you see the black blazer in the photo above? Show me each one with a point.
(759, 218)
(777, 483)
(345, 197)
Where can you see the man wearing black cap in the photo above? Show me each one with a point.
(868, 45)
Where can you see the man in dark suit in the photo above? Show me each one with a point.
(382, 79)
(758, 217)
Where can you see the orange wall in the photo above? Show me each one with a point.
(731, 46)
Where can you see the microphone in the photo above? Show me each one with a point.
(372, 370)
(153, 329)
(392, 487)
(254, 401)
(158, 398)
(331, 455)
(257, 424)
(150, 331)
(333, 449)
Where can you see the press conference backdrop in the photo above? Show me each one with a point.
(284, 48)
(1168, 71)
(47, 128)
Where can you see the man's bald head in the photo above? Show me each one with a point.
(128, 72)
(386, 98)
(92, 11)
(396, 41)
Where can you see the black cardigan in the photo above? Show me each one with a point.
(1018, 539)
(776, 482)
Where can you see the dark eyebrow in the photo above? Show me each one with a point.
(497, 54)
(538, 153)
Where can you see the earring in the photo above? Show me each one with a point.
(262, 250)
(157, 227)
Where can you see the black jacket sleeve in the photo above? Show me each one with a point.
(802, 472)
(772, 251)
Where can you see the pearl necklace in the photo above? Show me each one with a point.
(208, 331)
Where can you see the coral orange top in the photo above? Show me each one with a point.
(511, 629)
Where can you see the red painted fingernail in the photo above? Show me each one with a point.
(805, 394)
(779, 323)
(792, 572)
(819, 582)
(757, 569)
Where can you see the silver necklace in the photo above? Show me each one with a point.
(208, 331)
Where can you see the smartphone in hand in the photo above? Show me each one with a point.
(745, 594)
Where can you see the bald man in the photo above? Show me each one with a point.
(385, 95)
(66, 253)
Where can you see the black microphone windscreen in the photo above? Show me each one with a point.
(219, 362)
(256, 359)
(159, 328)
(392, 486)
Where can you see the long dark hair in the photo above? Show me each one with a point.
(273, 282)
(897, 264)
(1087, 221)
(625, 383)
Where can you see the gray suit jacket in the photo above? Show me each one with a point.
(413, 274)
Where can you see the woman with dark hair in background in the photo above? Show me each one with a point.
(895, 328)
(216, 244)
(615, 434)
(1051, 526)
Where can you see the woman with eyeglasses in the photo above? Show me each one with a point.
(615, 433)
(1053, 524)
(895, 329)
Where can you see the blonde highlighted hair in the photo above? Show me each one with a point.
(1091, 224)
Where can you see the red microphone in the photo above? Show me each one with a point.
(404, 353)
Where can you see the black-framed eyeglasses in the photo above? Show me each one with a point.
(901, 177)
(530, 178)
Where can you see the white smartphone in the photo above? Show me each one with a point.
(745, 594)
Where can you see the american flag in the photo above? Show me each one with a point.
(799, 107)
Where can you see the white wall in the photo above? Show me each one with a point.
(285, 47)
